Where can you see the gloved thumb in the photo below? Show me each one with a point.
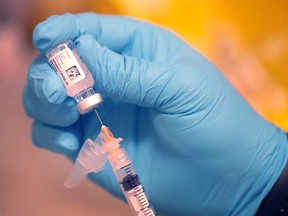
(126, 78)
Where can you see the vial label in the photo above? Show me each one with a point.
(67, 66)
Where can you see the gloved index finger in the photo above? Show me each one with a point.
(115, 32)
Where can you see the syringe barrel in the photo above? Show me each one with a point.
(131, 186)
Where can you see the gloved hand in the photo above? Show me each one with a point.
(198, 147)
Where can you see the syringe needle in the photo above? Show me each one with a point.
(99, 118)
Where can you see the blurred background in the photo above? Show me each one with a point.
(247, 40)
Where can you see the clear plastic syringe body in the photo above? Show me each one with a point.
(127, 177)
(75, 76)
(132, 189)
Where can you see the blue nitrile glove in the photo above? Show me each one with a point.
(197, 145)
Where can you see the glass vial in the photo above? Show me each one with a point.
(75, 76)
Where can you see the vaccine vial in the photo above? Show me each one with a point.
(75, 76)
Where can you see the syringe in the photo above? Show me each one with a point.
(92, 158)
(126, 175)
(79, 82)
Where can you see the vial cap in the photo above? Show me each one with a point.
(89, 103)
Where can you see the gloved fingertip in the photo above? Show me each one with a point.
(85, 42)
(49, 91)
(119, 76)
(88, 42)
(68, 141)
(84, 37)
(45, 83)
(54, 30)
(70, 113)
(42, 36)
(51, 94)
(60, 140)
